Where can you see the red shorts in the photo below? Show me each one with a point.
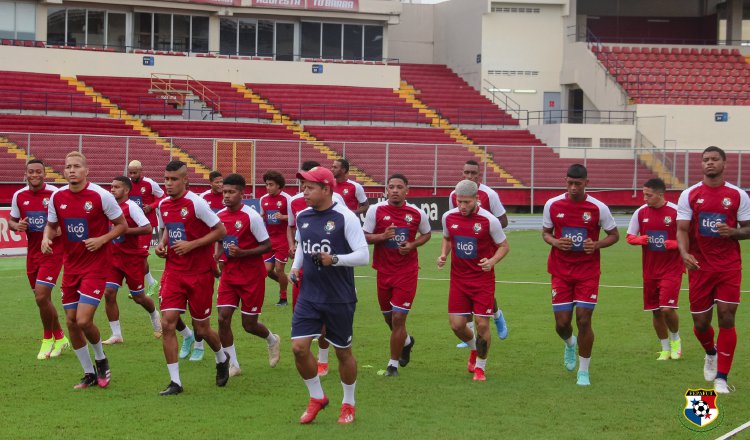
(44, 270)
(478, 298)
(567, 294)
(130, 267)
(251, 294)
(663, 292)
(708, 287)
(278, 253)
(86, 288)
(396, 292)
(196, 289)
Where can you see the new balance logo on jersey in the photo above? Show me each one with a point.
(305, 225)
(309, 248)
(699, 201)
(561, 215)
(25, 203)
(407, 304)
(387, 217)
(97, 291)
(454, 226)
(63, 206)
(645, 220)
(77, 229)
(49, 278)
(593, 296)
(708, 223)
(488, 311)
(466, 247)
(671, 301)
(176, 232)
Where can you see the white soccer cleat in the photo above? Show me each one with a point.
(113, 340)
(721, 387)
(709, 368)
(274, 351)
(234, 371)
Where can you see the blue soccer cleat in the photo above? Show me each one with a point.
(187, 346)
(502, 326)
(570, 355)
(583, 379)
(462, 345)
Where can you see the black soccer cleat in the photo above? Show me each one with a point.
(102, 373)
(391, 371)
(222, 372)
(282, 302)
(406, 353)
(171, 390)
(88, 381)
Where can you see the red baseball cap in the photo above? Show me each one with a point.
(318, 174)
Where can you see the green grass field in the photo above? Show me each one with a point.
(528, 393)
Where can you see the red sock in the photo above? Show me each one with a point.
(725, 346)
(282, 294)
(47, 334)
(706, 339)
(58, 334)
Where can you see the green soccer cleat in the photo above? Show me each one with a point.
(583, 379)
(186, 347)
(675, 349)
(46, 349)
(663, 356)
(153, 289)
(570, 355)
(197, 355)
(60, 345)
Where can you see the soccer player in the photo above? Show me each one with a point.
(351, 191)
(244, 274)
(274, 209)
(84, 211)
(392, 226)
(192, 230)
(127, 257)
(478, 243)
(572, 223)
(490, 201)
(654, 226)
(711, 217)
(28, 213)
(213, 196)
(331, 243)
(146, 194)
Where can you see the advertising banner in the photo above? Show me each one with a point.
(11, 243)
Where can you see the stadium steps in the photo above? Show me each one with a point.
(115, 112)
(20, 154)
(661, 170)
(299, 130)
(407, 92)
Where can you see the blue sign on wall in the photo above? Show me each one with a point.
(317, 68)
(721, 117)
(148, 61)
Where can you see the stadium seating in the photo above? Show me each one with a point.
(42, 92)
(131, 94)
(679, 76)
(231, 103)
(444, 91)
(338, 103)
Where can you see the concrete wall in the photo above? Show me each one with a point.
(79, 62)
(642, 8)
(458, 37)
(581, 67)
(557, 135)
(413, 39)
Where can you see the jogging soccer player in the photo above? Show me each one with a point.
(351, 191)
(84, 211)
(711, 217)
(296, 204)
(146, 194)
(392, 226)
(488, 199)
(274, 209)
(244, 274)
(28, 213)
(654, 227)
(213, 196)
(572, 223)
(191, 231)
(126, 260)
(478, 243)
(331, 243)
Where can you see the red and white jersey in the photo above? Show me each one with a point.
(352, 193)
(82, 215)
(487, 199)
(270, 206)
(473, 238)
(245, 229)
(146, 192)
(186, 219)
(408, 220)
(578, 221)
(297, 204)
(33, 206)
(130, 244)
(215, 201)
(660, 224)
(705, 206)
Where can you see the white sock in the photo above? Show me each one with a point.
(482, 363)
(674, 336)
(85, 359)
(314, 388)
(323, 356)
(583, 364)
(408, 340)
(498, 313)
(115, 326)
(198, 345)
(155, 320)
(220, 355)
(232, 352)
(571, 341)
(664, 344)
(470, 324)
(150, 279)
(186, 332)
(98, 351)
(271, 338)
(349, 393)
(393, 363)
(174, 373)
(472, 343)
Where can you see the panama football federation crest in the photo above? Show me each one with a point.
(143, 190)
(345, 191)
(278, 204)
(238, 225)
(727, 202)
(408, 218)
(330, 226)
(701, 409)
(45, 202)
(667, 220)
(184, 212)
(88, 206)
(477, 227)
(586, 216)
